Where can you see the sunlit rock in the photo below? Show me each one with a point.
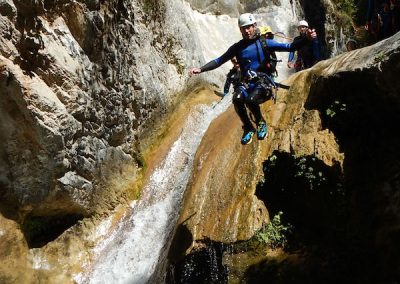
(84, 87)
(327, 114)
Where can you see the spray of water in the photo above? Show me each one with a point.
(130, 253)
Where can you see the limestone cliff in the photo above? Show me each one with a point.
(84, 85)
(343, 113)
(82, 82)
(230, 7)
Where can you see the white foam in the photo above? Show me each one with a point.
(130, 253)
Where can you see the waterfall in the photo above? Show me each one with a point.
(130, 253)
(283, 20)
(338, 43)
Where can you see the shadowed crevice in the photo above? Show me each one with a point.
(40, 230)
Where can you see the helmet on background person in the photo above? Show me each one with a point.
(265, 30)
(246, 19)
(303, 23)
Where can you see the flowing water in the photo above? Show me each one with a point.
(130, 252)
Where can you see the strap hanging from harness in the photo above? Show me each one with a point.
(269, 81)
(270, 58)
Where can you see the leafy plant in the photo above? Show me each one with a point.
(305, 170)
(379, 58)
(346, 6)
(274, 233)
(335, 108)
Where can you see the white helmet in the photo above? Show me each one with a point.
(246, 20)
(302, 23)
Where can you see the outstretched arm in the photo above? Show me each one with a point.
(207, 67)
(213, 64)
(296, 44)
(311, 35)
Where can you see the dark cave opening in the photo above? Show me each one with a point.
(40, 230)
(315, 201)
(345, 226)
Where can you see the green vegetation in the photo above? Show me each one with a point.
(344, 13)
(379, 58)
(335, 108)
(274, 234)
(347, 7)
(302, 173)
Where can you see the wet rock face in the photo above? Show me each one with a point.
(333, 150)
(364, 125)
(220, 204)
(57, 114)
(13, 253)
(229, 7)
(352, 208)
(81, 83)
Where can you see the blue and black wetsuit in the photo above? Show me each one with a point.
(250, 55)
(253, 64)
(232, 78)
(307, 55)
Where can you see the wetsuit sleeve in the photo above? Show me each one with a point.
(278, 46)
(291, 56)
(227, 85)
(210, 66)
(213, 64)
(228, 81)
(316, 50)
(299, 42)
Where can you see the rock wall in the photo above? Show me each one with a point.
(83, 87)
(82, 84)
(230, 7)
(343, 113)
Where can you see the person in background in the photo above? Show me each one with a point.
(252, 54)
(308, 54)
(233, 77)
(374, 21)
(269, 34)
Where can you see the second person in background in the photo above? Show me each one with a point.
(308, 54)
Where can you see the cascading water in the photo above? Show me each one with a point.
(131, 252)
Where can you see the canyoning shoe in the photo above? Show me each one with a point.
(247, 137)
(262, 130)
